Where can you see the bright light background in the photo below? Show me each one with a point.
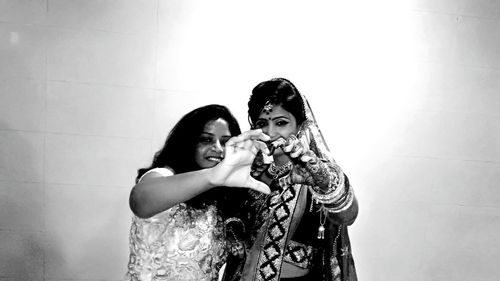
(405, 92)
(353, 59)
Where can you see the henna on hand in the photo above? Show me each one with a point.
(316, 172)
(301, 175)
(321, 173)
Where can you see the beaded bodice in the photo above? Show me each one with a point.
(181, 243)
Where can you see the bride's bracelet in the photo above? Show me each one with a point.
(285, 181)
(329, 198)
(282, 182)
(342, 204)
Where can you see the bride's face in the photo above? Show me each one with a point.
(277, 123)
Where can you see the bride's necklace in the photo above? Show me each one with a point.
(278, 171)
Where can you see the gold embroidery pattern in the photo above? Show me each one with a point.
(299, 254)
(335, 269)
(181, 243)
(271, 258)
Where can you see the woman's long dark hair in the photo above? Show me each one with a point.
(277, 91)
(178, 152)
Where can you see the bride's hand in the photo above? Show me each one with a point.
(240, 151)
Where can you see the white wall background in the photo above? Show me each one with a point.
(406, 92)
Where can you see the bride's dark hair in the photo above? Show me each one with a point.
(277, 91)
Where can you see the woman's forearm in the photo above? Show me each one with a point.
(155, 194)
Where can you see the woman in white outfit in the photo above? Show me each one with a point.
(182, 200)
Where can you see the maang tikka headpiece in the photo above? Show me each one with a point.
(268, 107)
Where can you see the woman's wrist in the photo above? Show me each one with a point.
(211, 177)
(335, 188)
(321, 173)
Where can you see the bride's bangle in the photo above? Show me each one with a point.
(285, 181)
(342, 204)
(335, 190)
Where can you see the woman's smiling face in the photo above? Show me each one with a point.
(277, 123)
(209, 149)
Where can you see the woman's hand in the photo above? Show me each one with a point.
(235, 169)
(298, 149)
(308, 168)
(299, 153)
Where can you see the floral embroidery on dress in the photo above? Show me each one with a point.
(179, 244)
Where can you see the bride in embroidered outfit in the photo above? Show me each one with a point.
(181, 200)
(300, 229)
